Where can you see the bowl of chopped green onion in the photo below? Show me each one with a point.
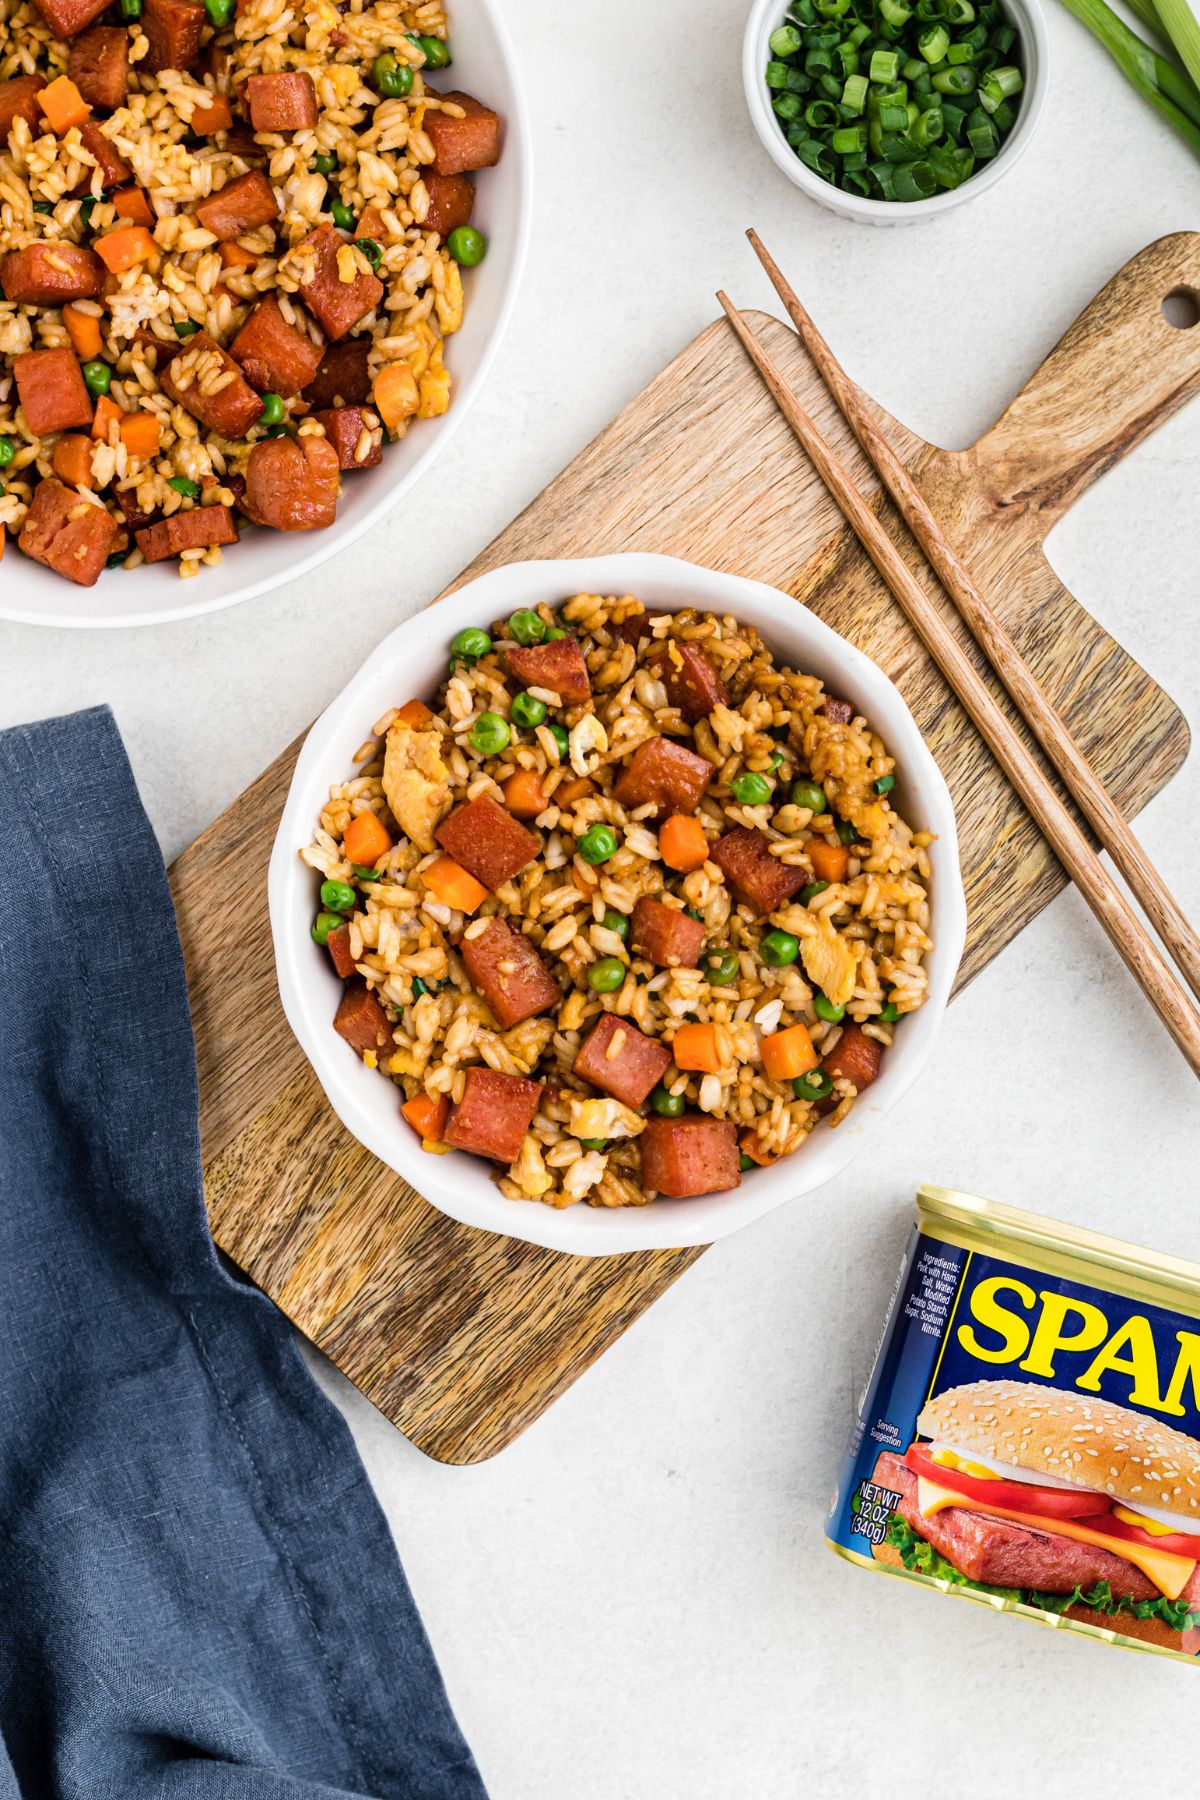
(889, 111)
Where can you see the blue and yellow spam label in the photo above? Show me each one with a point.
(1029, 1437)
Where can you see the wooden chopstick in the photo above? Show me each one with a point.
(1047, 724)
(1033, 788)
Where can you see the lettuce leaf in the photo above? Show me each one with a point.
(922, 1559)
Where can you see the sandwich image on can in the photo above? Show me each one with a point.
(1064, 1502)
(1029, 1434)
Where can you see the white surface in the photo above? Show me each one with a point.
(412, 660)
(766, 15)
(633, 1603)
(268, 559)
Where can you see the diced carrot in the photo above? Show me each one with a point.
(524, 794)
(370, 223)
(682, 843)
(829, 861)
(751, 1145)
(695, 1047)
(73, 459)
(121, 249)
(63, 105)
(106, 411)
(427, 1116)
(84, 332)
(396, 395)
(234, 257)
(141, 433)
(133, 206)
(789, 1053)
(365, 841)
(450, 883)
(567, 792)
(216, 115)
(415, 713)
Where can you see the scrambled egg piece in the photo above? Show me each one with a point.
(829, 962)
(416, 781)
(603, 1119)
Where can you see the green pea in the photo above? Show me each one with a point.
(467, 246)
(666, 1104)
(490, 734)
(809, 893)
(97, 378)
(131, 9)
(594, 1143)
(392, 79)
(274, 411)
(324, 162)
(323, 924)
(749, 789)
(779, 948)
(527, 711)
(341, 215)
(186, 328)
(338, 896)
(615, 921)
(889, 1013)
(437, 52)
(472, 641)
(825, 1009)
(846, 832)
(885, 784)
(809, 794)
(813, 1085)
(189, 489)
(371, 250)
(597, 844)
(526, 627)
(7, 451)
(606, 976)
(220, 12)
(555, 632)
(722, 967)
(745, 1162)
(776, 759)
(559, 734)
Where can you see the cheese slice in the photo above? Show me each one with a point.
(1169, 1573)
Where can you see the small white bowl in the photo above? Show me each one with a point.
(485, 64)
(766, 15)
(412, 661)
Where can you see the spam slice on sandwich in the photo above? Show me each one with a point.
(1070, 1502)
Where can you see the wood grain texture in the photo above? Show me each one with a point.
(462, 1338)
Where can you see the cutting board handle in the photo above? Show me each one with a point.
(1119, 372)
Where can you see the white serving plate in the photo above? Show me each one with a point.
(485, 64)
(412, 661)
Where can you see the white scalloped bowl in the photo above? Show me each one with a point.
(413, 661)
(485, 64)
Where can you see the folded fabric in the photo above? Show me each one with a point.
(198, 1592)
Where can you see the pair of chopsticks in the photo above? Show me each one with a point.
(1036, 792)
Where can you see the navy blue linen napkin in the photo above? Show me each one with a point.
(198, 1592)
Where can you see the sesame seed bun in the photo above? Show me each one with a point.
(1071, 1437)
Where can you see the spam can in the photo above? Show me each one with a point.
(1029, 1437)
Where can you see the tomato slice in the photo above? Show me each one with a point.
(1179, 1543)
(1016, 1496)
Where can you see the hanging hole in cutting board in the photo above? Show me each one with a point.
(1181, 308)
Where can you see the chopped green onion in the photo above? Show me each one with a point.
(933, 44)
(189, 489)
(885, 784)
(854, 94)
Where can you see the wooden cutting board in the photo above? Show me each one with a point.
(463, 1338)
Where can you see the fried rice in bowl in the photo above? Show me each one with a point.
(635, 896)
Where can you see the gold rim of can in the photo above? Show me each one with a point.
(1067, 1251)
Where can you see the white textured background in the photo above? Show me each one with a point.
(633, 1603)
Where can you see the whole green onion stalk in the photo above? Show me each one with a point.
(1181, 26)
(1162, 83)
